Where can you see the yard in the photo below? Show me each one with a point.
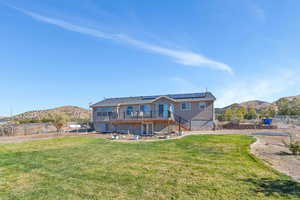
(194, 167)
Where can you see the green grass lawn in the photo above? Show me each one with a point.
(194, 167)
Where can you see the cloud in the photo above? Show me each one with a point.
(265, 88)
(187, 58)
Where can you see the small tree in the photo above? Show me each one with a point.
(241, 113)
(59, 120)
(251, 113)
(228, 114)
(243, 110)
(295, 107)
(283, 107)
(294, 146)
(268, 113)
(221, 117)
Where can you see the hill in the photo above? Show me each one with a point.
(257, 104)
(73, 112)
(288, 98)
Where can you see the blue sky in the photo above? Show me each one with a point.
(56, 53)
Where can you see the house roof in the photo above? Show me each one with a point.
(149, 99)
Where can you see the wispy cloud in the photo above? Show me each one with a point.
(187, 58)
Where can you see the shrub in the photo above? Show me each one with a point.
(294, 146)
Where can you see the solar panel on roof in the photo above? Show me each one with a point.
(150, 97)
(177, 96)
(187, 96)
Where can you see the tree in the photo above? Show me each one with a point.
(228, 114)
(294, 146)
(221, 117)
(269, 112)
(59, 120)
(295, 107)
(283, 106)
(251, 114)
(239, 115)
(243, 110)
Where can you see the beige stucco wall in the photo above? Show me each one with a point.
(196, 113)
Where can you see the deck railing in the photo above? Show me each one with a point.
(135, 115)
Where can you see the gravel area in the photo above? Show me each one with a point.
(272, 150)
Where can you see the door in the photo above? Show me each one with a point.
(160, 110)
(144, 129)
(150, 129)
(163, 110)
(166, 111)
(147, 128)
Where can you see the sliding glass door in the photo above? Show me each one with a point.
(165, 109)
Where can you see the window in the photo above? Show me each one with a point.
(103, 112)
(107, 109)
(186, 106)
(129, 110)
(202, 105)
(145, 108)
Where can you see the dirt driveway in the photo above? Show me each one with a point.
(272, 150)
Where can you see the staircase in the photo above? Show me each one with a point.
(183, 124)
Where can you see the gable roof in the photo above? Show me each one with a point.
(149, 99)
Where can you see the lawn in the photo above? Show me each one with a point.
(194, 167)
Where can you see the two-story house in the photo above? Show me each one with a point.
(155, 114)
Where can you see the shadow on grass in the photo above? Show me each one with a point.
(276, 186)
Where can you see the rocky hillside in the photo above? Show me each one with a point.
(288, 98)
(73, 112)
(257, 104)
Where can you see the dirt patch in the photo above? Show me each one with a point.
(272, 150)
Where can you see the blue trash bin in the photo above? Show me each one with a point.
(268, 121)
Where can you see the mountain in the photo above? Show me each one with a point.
(257, 104)
(73, 112)
(288, 98)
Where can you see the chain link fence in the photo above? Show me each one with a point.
(13, 129)
(287, 121)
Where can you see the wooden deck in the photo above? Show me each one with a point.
(140, 121)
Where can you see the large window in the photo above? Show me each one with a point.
(107, 111)
(186, 106)
(129, 110)
(145, 108)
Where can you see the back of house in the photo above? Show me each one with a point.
(157, 114)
